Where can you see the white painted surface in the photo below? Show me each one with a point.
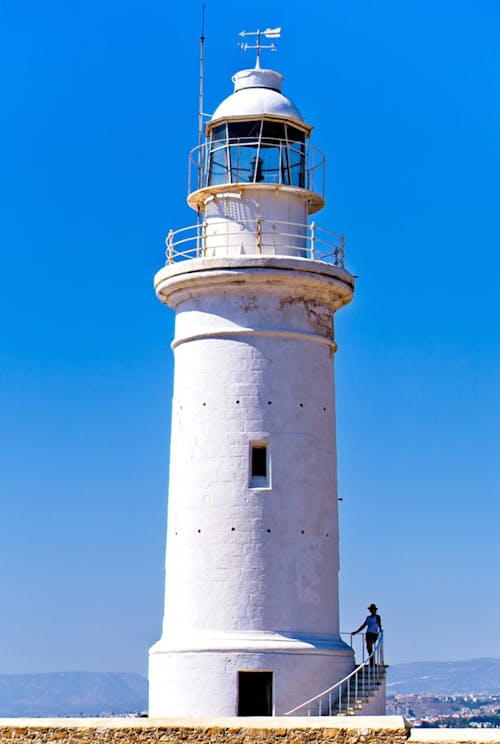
(232, 223)
(186, 682)
(250, 570)
(257, 78)
(256, 95)
(229, 201)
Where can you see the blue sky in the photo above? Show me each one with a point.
(97, 116)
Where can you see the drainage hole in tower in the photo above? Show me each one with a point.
(301, 405)
(268, 530)
(302, 532)
(324, 408)
(269, 402)
(327, 534)
(233, 529)
(199, 531)
(237, 401)
(204, 404)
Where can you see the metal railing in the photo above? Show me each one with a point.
(344, 697)
(255, 237)
(256, 160)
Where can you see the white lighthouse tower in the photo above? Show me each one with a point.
(251, 623)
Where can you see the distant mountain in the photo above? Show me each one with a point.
(445, 677)
(71, 694)
(95, 694)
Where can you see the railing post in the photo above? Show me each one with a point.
(170, 246)
(313, 246)
(198, 234)
(203, 238)
(259, 234)
(341, 255)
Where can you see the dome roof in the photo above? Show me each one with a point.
(257, 93)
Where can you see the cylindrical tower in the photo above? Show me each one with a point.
(251, 622)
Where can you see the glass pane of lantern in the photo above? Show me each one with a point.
(296, 154)
(243, 161)
(244, 129)
(218, 167)
(243, 141)
(296, 148)
(219, 132)
(294, 135)
(273, 130)
(272, 148)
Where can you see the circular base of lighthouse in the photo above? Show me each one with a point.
(288, 672)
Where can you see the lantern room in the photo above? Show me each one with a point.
(256, 151)
(257, 136)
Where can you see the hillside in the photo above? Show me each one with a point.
(72, 694)
(445, 677)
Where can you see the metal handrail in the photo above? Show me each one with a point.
(304, 240)
(308, 162)
(346, 693)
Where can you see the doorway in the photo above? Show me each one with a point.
(255, 693)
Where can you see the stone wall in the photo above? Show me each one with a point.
(342, 730)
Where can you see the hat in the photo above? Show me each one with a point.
(372, 607)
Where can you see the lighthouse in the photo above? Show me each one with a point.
(251, 619)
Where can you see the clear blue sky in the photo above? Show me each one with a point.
(98, 114)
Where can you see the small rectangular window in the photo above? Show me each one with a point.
(259, 461)
(259, 465)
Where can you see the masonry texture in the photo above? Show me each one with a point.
(341, 730)
(344, 730)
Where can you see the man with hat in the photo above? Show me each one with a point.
(373, 625)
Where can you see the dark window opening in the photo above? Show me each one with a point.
(255, 693)
(254, 152)
(259, 461)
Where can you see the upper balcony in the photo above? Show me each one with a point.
(217, 238)
(243, 162)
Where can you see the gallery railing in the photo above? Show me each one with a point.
(261, 237)
(244, 160)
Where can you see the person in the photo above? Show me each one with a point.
(373, 625)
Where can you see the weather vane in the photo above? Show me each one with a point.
(269, 33)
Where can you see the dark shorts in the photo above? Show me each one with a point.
(371, 636)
